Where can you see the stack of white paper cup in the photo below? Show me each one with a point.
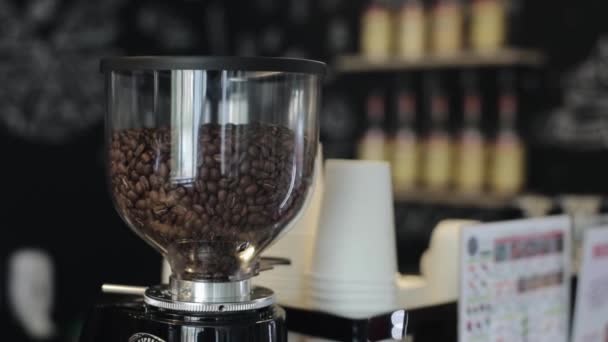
(354, 267)
(289, 282)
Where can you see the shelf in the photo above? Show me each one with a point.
(487, 201)
(504, 57)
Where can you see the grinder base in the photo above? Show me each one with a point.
(135, 321)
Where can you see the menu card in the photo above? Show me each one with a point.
(515, 281)
(591, 311)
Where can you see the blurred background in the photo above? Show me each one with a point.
(486, 109)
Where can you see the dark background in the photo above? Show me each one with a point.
(51, 111)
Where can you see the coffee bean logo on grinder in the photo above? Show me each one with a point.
(143, 337)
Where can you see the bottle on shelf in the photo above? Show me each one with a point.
(376, 31)
(488, 25)
(470, 151)
(447, 25)
(373, 144)
(437, 147)
(404, 152)
(411, 30)
(508, 151)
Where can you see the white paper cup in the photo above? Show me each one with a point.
(377, 304)
(353, 292)
(350, 288)
(315, 278)
(350, 297)
(356, 310)
(356, 237)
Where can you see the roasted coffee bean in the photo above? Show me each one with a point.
(245, 181)
(212, 187)
(244, 167)
(236, 194)
(269, 167)
(121, 169)
(131, 195)
(189, 216)
(262, 175)
(145, 185)
(155, 182)
(125, 201)
(139, 189)
(148, 169)
(163, 170)
(179, 210)
(223, 183)
(141, 204)
(199, 186)
(261, 200)
(186, 201)
(221, 195)
(253, 151)
(255, 208)
(255, 219)
(160, 209)
(214, 174)
(265, 151)
(251, 189)
(139, 149)
(160, 227)
(133, 176)
(269, 186)
(139, 167)
(212, 200)
(231, 200)
(204, 173)
(180, 192)
(213, 148)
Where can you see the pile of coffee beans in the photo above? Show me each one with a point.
(242, 187)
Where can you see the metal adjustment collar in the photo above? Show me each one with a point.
(191, 296)
(198, 291)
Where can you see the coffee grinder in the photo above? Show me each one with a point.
(209, 159)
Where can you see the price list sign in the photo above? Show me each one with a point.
(591, 311)
(515, 281)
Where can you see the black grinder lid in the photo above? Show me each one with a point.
(267, 64)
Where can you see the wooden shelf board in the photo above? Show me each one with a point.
(504, 57)
(455, 199)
